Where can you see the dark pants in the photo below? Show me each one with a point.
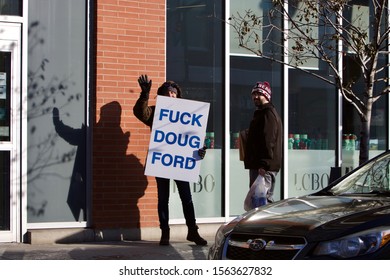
(186, 201)
(270, 178)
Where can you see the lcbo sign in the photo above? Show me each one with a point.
(178, 132)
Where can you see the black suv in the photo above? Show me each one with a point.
(349, 219)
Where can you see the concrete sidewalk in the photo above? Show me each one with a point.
(118, 250)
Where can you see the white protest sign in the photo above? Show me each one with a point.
(178, 132)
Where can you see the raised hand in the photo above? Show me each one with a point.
(145, 84)
(56, 115)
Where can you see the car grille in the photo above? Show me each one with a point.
(262, 247)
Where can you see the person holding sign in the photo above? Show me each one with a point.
(145, 114)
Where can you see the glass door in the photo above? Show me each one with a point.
(10, 113)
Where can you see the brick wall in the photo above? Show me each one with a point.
(130, 42)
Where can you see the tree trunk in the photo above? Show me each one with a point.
(365, 133)
(366, 116)
(364, 142)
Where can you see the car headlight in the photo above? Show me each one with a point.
(358, 244)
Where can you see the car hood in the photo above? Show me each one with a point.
(316, 217)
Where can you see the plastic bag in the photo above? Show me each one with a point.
(257, 194)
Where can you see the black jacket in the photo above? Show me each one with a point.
(143, 112)
(263, 147)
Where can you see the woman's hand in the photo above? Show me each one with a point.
(145, 85)
(202, 152)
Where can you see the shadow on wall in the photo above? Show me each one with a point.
(48, 160)
(77, 190)
(119, 181)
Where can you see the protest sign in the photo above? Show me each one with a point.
(178, 132)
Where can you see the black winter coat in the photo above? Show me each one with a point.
(263, 147)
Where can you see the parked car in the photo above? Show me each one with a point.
(349, 219)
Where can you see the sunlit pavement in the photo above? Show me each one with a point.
(121, 250)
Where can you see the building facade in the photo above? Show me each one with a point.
(72, 152)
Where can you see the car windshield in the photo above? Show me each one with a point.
(371, 178)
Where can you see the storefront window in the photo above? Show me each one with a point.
(239, 9)
(352, 126)
(309, 25)
(195, 56)
(5, 96)
(244, 73)
(56, 111)
(359, 13)
(312, 112)
(246, 69)
(11, 7)
(312, 104)
(4, 190)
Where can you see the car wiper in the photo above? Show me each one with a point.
(324, 192)
(380, 192)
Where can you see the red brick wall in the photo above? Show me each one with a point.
(130, 42)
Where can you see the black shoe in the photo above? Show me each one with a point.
(164, 237)
(194, 236)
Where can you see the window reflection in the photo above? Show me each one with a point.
(244, 73)
(195, 56)
(312, 112)
(11, 7)
(4, 190)
(359, 12)
(56, 78)
(5, 89)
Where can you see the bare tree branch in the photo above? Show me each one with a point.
(314, 32)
